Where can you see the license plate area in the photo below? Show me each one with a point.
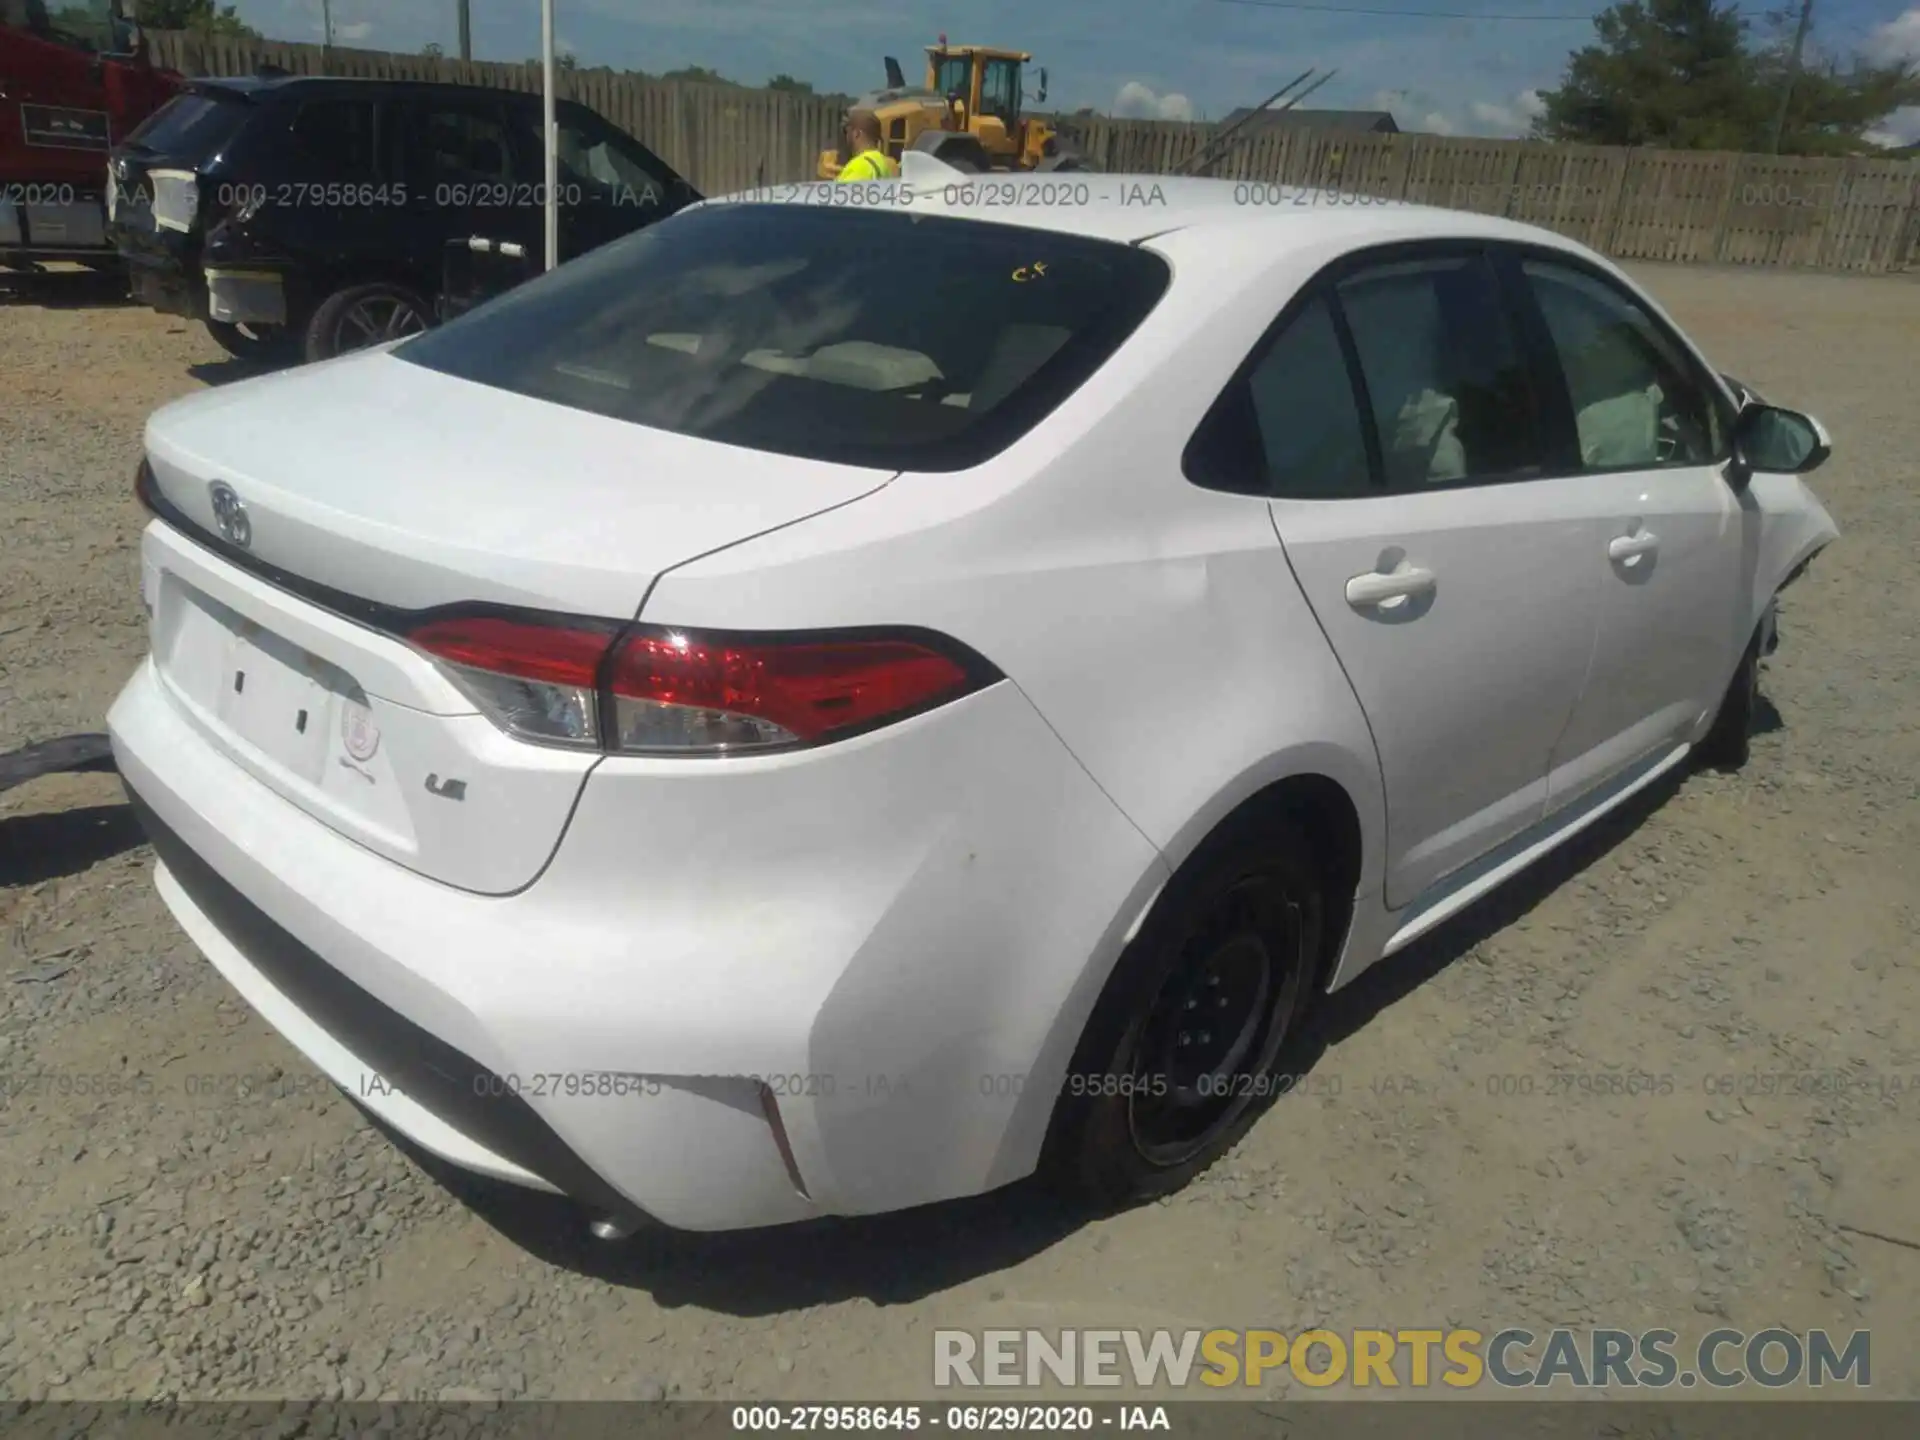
(269, 695)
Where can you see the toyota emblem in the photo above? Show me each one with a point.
(230, 515)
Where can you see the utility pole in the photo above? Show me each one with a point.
(1793, 73)
(326, 23)
(550, 132)
(466, 30)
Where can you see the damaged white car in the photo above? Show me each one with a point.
(816, 709)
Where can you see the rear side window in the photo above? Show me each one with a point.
(191, 128)
(1290, 427)
(335, 137)
(888, 339)
(1447, 380)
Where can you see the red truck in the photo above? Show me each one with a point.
(75, 79)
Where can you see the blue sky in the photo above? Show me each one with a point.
(1178, 58)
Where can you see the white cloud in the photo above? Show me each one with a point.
(1138, 102)
(1900, 128)
(1898, 38)
(1435, 122)
(358, 30)
(1512, 119)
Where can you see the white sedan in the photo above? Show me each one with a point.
(817, 709)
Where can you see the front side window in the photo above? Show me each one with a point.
(1000, 89)
(1637, 403)
(83, 24)
(1446, 379)
(769, 327)
(592, 160)
(457, 145)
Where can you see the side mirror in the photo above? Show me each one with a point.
(1041, 98)
(1769, 439)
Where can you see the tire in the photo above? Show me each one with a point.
(360, 316)
(266, 345)
(1728, 744)
(1241, 925)
(962, 152)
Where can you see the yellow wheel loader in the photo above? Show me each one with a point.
(968, 114)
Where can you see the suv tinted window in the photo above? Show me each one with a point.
(773, 327)
(456, 144)
(1637, 399)
(335, 137)
(1451, 397)
(192, 128)
(593, 159)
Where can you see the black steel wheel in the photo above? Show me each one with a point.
(1188, 1038)
(1210, 1034)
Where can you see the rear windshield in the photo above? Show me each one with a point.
(906, 342)
(191, 127)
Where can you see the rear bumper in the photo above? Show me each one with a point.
(163, 269)
(899, 947)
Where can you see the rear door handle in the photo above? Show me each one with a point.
(1375, 589)
(1631, 547)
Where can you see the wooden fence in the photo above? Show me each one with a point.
(1633, 204)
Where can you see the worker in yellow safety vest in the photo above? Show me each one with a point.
(869, 161)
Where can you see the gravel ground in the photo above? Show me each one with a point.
(191, 1212)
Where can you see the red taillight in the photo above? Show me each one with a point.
(673, 692)
(534, 680)
(551, 654)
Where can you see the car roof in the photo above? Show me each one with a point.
(1137, 208)
(273, 86)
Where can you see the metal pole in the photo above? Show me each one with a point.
(1793, 73)
(326, 23)
(552, 137)
(1207, 155)
(466, 30)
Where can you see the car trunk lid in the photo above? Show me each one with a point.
(356, 494)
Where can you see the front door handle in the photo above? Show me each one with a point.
(1374, 588)
(1629, 548)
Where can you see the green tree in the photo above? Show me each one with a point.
(786, 82)
(205, 16)
(698, 75)
(1831, 108)
(434, 49)
(1681, 74)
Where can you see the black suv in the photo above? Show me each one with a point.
(302, 217)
